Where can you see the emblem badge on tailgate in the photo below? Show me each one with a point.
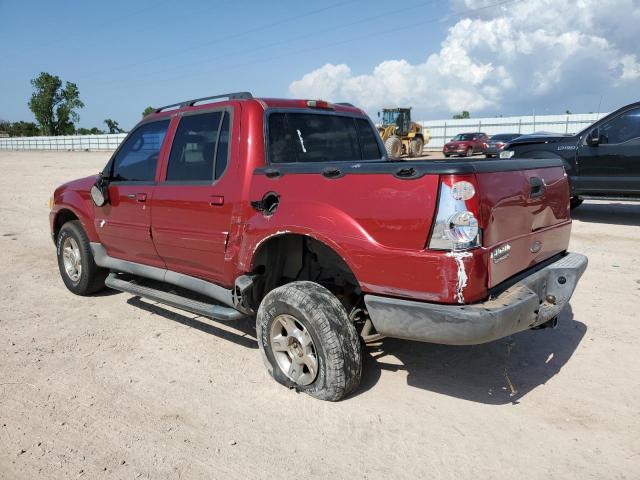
(536, 246)
(500, 253)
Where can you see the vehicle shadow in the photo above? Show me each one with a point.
(497, 373)
(610, 213)
(246, 326)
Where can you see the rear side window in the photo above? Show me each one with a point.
(200, 148)
(137, 158)
(312, 137)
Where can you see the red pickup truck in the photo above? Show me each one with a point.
(289, 210)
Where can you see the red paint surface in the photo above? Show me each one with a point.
(377, 223)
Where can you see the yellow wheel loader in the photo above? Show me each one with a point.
(400, 135)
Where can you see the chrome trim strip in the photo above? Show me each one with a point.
(209, 289)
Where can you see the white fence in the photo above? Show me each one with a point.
(441, 132)
(65, 143)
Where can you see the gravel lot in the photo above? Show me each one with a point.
(115, 387)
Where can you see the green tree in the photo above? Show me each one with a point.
(89, 131)
(113, 126)
(54, 106)
(461, 115)
(19, 129)
(147, 111)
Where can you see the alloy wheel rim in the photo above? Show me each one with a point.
(293, 349)
(72, 259)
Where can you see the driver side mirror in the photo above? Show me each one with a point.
(100, 191)
(593, 139)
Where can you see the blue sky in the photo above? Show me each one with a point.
(124, 55)
(487, 56)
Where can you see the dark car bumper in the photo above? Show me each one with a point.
(532, 301)
(492, 151)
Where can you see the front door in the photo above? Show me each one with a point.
(124, 223)
(191, 212)
(613, 166)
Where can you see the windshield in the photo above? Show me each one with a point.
(389, 117)
(463, 137)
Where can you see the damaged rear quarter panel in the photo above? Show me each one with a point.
(378, 224)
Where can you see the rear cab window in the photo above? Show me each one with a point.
(303, 137)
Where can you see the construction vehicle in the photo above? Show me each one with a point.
(400, 135)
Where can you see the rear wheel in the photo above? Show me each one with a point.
(415, 147)
(78, 270)
(469, 152)
(308, 342)
(393, 146)
(446, 155)
(575, 202)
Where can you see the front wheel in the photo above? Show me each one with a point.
(78, 270)
(308, 342)
(393, 146)
(469, 152)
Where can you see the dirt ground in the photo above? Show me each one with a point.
(115, 387)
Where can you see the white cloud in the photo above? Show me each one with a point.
(523, 53)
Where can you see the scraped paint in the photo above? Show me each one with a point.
(462, 273)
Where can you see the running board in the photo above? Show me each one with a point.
(218, 312)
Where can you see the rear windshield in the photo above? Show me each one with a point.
(314, 137)
(505, 136)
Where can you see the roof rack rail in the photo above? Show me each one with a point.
(190, 103)
(346, 104)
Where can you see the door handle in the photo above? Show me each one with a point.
(141, 197)
(537, 187)
(216, 200)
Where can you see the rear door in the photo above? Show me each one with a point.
(124, 223)
(192, 204)
(613, 166)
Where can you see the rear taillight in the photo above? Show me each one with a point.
(456, 225)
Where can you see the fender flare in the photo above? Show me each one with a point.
(74, 202)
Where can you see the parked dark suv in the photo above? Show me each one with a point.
(497, 142)
(603, 160)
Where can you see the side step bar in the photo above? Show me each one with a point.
(218, 312)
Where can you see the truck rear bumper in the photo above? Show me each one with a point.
(532, 301)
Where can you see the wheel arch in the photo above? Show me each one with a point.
(286, 257)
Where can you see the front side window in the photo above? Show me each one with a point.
(137, 159)
(200, 148)
(312, 137)
(621, 129)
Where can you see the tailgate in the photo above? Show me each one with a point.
(525, 218)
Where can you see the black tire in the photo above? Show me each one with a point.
(336, 342)
(91, 277)
(469, 152)
(393, 146)
(446, 155)
(575, 202)
(415, 147)
(488, 156)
